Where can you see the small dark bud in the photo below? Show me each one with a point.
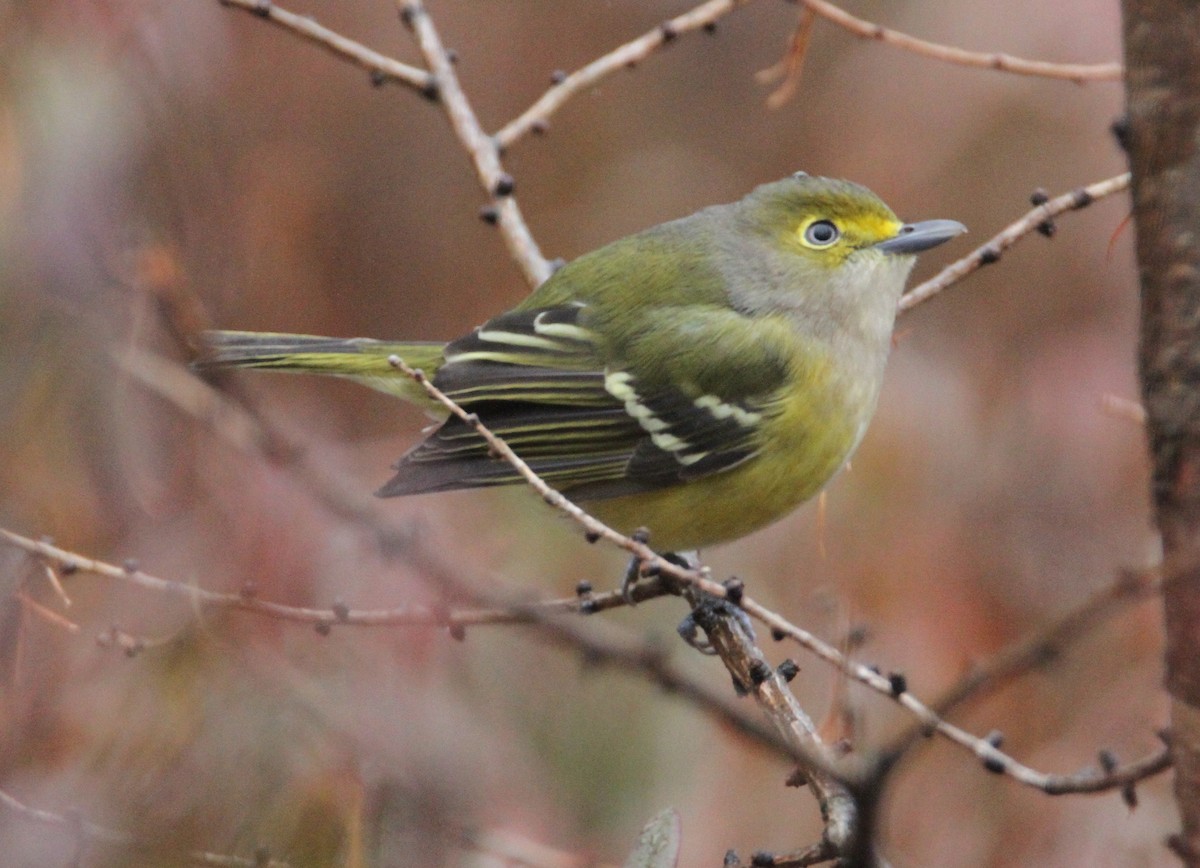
(588, 607)
(631, 64)
(994, 765)
(641, 535)
(558, 76)
(504, 185)
(341, 611)
(796, 779)
(262, 8)
(759, 672)
(1129, 796)
(378, 78)
(668, 31)
(130, 565)
(69, 568)
(788, 669)
(472, 419)
(1108, 761)
(323, 628)
(1081, 198)
(1039, 197)
(583, 588)
(549, 499)
(430, 90)
(989, 256)
(709, 27)
(591, 536)
(134, 648)
(408, 14)
(898, 683)
(539, 127)
(735, 588)
(489, 214)
(1120, 131)
(777, 634)
(875, 669)
(1047, 228)
(452, 55)
(857, 636)
(762, 859)
(457, 632)
(731, 859)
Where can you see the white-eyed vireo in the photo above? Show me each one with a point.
(699, 379)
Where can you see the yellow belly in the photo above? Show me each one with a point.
(800, 459)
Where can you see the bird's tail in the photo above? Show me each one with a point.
(360, 359)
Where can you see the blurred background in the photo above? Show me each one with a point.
(170, 166)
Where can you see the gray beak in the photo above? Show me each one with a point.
(915, 237)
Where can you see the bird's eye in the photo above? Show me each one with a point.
(822, 233)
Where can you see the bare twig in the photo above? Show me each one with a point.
(1046, 644)
(481, 148)
(381, 67)
(89, 831)
(787, 71)
(522, 612)
(750, 669)
(622, 57)
(990, 252)
(860, 27)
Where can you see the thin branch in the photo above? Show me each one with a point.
(336, 613)
(1100, 781)
(860, 27)
(481, 148)
(382, 68)
(1040, 216)
(752, 673)
(86, 830)
(1047, 643)
(537, 115)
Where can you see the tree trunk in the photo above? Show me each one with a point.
(1162, 78)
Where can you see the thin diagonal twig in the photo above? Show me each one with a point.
(991, 251)
(481, 147)
(538, 114)
(860, 27)
(381, 67)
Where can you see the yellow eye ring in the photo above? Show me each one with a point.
(821, 233)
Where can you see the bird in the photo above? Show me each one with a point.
(699, 379)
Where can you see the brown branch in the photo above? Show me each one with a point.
(482, 148)
(1159, 133)
(537, 115)
(753, 674)
(382, 68)
(860, 27)
(1047, 643)
(988, 253)
(337, 613)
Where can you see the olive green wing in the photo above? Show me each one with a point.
(589, 417)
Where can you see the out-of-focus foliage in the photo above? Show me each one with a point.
(169, 165)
